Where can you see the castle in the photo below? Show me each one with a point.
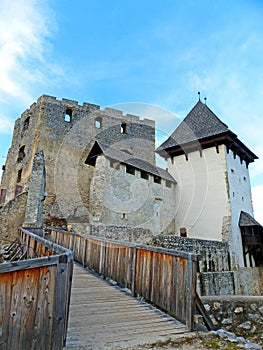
(92, 170)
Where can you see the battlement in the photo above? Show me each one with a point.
(90, 107)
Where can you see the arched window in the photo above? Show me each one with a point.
(123, 128)
(68, 115)
(19, 175)
(26, 123)
(98, 123)
(21, 154)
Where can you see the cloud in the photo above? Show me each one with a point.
(26, 27)
(6, 125)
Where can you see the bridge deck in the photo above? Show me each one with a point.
(103, 316)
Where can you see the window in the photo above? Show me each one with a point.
(183, 232)
(130, 169)
(26, 123)
(3, 196)
(68, 115)
(18, 190)
(123, 128)
(124, 216)
(98, 123)
(157, 179)
(21, 154)
(168, 184)
(144, 175)
(19, 175)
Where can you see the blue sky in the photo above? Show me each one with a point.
(157, 53)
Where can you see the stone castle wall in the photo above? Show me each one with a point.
(66, 131)
(124, 199)
(11, 217)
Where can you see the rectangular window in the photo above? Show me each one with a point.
(130, 169)
(18, 190)
(19, 175)
(157, 179)
(2, 196)
(144, 175)
(168, 184)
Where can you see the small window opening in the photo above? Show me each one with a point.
(233, 194)
(157, 179)
(123, 128)
(130, 169)
(26, 123)
(98, 123)
(144, 175)
(19, 175)
(244, 178)
(183, 232)
(232, 171)
(18, 190)
(21, 154)
(168, 184)
(114, 164)
(68, 115)
(124, 216)
(242, 199)
(3, 196)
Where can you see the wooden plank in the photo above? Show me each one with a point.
(42, 331)
(101, 314)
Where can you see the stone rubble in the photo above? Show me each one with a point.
(240, 341)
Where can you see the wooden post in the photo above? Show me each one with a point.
(190, 288)
(133, 283)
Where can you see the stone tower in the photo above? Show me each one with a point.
(210, 165)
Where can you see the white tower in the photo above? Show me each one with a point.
(210, 165)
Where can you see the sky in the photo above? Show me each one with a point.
(143, 53)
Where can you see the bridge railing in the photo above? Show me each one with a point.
(34, 296)
(163, 277)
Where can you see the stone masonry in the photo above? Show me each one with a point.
(65, 131)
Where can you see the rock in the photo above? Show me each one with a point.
(207, 307)
(227, 321)
(261, 310)
(216, 306)
(254, 317)
(238, 310)
(245, 325)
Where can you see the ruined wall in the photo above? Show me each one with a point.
(11, 217)
(20, 155)
(65, 131)
(36, 193)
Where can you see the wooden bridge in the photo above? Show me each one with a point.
(34, 315)
(104, 316)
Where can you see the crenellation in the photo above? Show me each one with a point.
(70, 102)
(91, 107)
(111, 112)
